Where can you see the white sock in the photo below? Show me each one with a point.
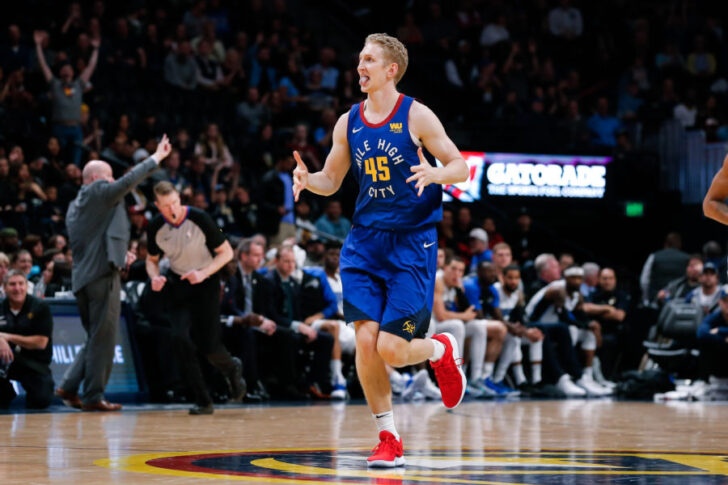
(336, 376)
(588, 372)
(518, 374)
(385, 422)
(439, 350)
(488, 369)
(535, 373)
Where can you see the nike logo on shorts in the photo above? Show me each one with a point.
(427, 245)
(357, 130)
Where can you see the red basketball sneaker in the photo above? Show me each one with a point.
(388, 453)
(449, 371)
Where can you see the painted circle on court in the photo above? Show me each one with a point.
(454, 466)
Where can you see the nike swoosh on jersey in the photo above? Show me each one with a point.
(357, 130)
(427, 245)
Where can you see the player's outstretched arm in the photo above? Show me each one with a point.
(427, 127)
(328, 180)
(714, 205)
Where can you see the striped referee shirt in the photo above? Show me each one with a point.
(189, 245)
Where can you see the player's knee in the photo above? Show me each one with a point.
(498, 331)
(366, 340)
(392, 350)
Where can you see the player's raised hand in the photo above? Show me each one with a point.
(425, 174)
(163, 148)
(300, 176)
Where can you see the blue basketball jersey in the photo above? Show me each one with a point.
(381, 157)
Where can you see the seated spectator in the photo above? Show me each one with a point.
(604, 127)
(700, 63)
(252, 112)
(453, 313)
(308, 151)
(566, 260)
(706, 296)
(9, 240)
(608, 305)
(23, 261)
(209, 73)
(493, 236)
(713, 339)
(512, 306)
(180, 69)
(215, 49)
(25, 344)
(479, 251)
(686, 112)
(329, 73)
(212, 148)
(481, 293)
(558, 306)
(320, 303)
(547, 270)
(332, 222)
(591, 279)
(662, 267)
(287, 312)
(502, 258)
(248, 327)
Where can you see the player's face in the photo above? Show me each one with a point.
(170, 207)
(573, 283)
(511, 280)
(453, 273)
(502, 258)
(374, 69)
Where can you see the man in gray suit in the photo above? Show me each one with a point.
(98, 231)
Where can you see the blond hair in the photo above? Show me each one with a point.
(163, 188)
(393, 49)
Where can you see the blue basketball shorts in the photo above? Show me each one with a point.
(389, 277)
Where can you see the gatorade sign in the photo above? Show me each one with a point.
(562, 176)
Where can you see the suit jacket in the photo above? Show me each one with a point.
(98, 227)
(261, 294)
(278, 298)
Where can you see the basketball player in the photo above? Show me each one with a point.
(389, 257)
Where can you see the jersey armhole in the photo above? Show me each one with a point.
(415, 140)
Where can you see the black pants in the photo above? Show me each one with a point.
(287, 360)
(242, 342)
(39, 387)
(194, 312)
(713, 358)
(559, 355)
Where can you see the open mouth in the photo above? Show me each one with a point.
(363, 80)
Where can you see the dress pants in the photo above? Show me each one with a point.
(99, 304)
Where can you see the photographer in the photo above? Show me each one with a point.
(26, 326)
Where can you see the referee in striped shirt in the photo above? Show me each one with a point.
(196, 249)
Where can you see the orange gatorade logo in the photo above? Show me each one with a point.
(395, 127)
(451, 466)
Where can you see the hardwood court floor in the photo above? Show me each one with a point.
(481, 442)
